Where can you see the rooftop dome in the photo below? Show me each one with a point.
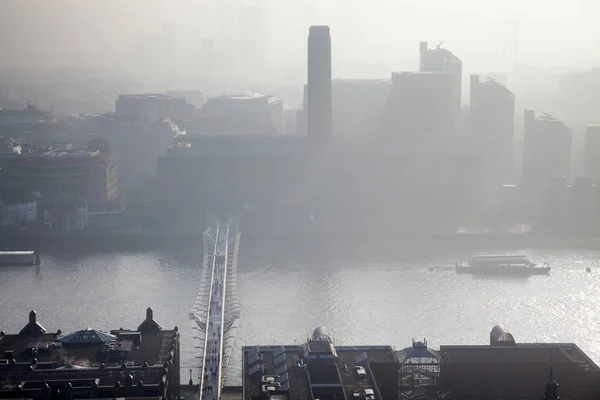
(321, 333)
(418, 353)
(87, 336)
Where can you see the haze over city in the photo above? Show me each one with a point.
(299, 200)
(102, 33)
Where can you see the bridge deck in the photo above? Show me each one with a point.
(212, 379)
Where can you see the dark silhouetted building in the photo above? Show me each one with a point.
(546, 149)
(86, 174)
(510, 370)
(319, 126)
(28, 115)
(319, 370)
(31, 125)
(502, 370)
(42, 365)
(492, 116)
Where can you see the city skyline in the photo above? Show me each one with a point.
(55, 34)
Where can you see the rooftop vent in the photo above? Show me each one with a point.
(501, 337)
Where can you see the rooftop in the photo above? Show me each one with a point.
(241, 97)
(148, 97)
(87, 336)
(67, 153)
(291, 372)
(418, 353)
(17, 253)
(245, 96)
(517, 353)
(29, 109)
(49, 157)
(361, 81)
(34, 346)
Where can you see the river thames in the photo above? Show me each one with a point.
(364, 296)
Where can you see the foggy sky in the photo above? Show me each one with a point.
(103, 32)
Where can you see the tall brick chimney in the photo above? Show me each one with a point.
(319, 127)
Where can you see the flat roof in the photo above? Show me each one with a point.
(420, 73)
(244, 96)
(361, 81)
(17, 253)
(68, 153)
(518, 353)
(149, 96)
(343, 369)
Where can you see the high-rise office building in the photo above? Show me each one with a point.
(443, 60)
(492, 116)
(547, 149)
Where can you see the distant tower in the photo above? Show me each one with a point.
(551, 387)
(319, 84)
(492, 116)
(443, 60)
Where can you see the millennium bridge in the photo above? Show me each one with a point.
(215, 316)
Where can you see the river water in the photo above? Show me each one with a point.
(365, 296)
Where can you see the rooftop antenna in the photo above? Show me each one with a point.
(439, 45)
